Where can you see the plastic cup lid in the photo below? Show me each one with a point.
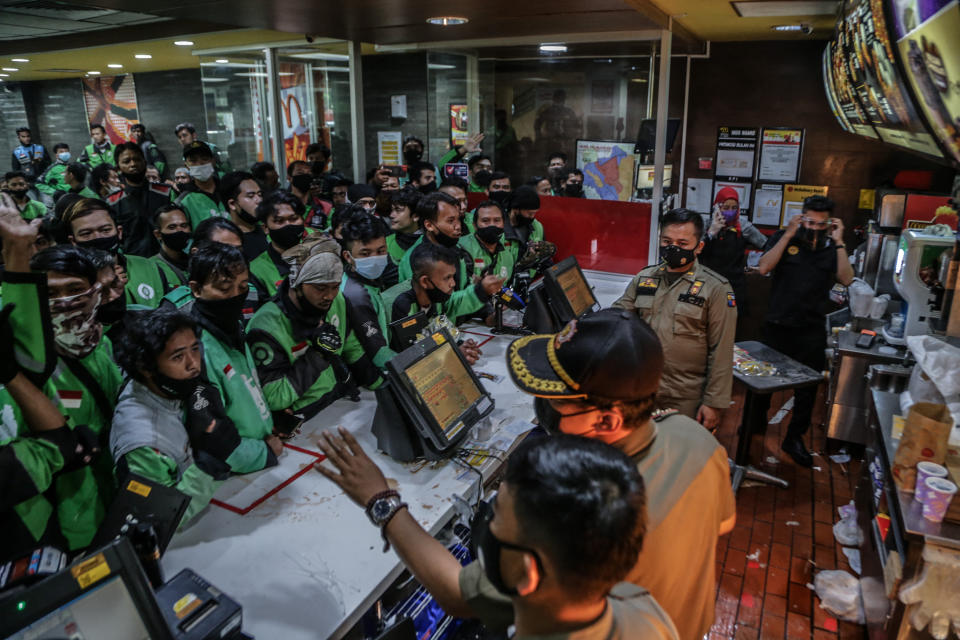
(941, 485)
(932, 468)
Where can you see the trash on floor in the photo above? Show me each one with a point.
(839, 594)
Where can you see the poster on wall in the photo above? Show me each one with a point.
(780, 152)
(459, 131)
(295, 110)
(736, 150)
(388, 147)
(877, 81)
(930, 52)
(793, 197)
(111, 101)
(768, 204)
(608, 169)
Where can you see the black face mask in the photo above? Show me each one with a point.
(677, 257)
(135, 178)
(482, 176)
(17, 194)
(288, 236)
(430, 187)
(302, 182)
(500, 197)
(437, 296)
(573, 190)
(523, 221)
(110, 244)
(224, 314)
(179, 389)
(489, 549)
(178, 240)
(812, 238)
(112, 312)
(411, 156)
(489, 234)
(444, 240)
(249, 218)
(547, 417)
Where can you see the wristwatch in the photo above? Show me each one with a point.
(381, 508)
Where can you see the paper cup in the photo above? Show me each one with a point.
(940, 492)
(927, 469)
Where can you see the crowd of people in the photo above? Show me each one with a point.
(182, 330)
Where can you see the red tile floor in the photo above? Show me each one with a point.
(765, 563)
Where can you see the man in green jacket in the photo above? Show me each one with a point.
(282, 218)
(219, 282)
(18, 187)
(169, 425)
(187, 134)
(89, 224)
(75, 177)
(52, 182)
(481, 167)
(484, 245)
(364, 253)
(155, 157)
(241, 194)
(201, 198)
(100, 150)
(306, 353)
(522, 231)
(403, 222)
(172, 230)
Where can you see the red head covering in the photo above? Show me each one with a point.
(729, 193)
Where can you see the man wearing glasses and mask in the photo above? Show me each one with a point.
(806, 259)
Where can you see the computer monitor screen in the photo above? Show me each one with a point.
(106, 612)
(570, 295)
(647, 138)
(446, 387)
(576, 290)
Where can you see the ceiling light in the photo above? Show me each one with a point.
(19, 60)
(793, 28)
(206, 80)
(221, 61)
(93, 73)
(183, 43)
(548, 47)
(142, 56)
(114, 65)
(438, 66)
(10, 69)
(783, 8)
(4, 75)
(447, 21)
(643, 80)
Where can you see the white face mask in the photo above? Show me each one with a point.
(201, 172)
(371, 267)
(63, 156)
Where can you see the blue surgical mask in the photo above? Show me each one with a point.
(371, 267)
(63, 156)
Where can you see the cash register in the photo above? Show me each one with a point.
(560, 296)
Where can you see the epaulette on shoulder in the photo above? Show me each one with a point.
(159, 187)
(114, 198)
(662, 414)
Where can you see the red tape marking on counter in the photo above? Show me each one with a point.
(242, 511)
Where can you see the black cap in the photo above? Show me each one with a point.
(196, 148)
(360, 190)
(612, 354)
(525, 198)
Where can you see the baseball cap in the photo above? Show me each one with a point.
(611, 353)
(196, 148)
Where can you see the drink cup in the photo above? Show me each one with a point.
(940, 492)
(927, 469)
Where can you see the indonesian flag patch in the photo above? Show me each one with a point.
(70, 399)
(229, 371)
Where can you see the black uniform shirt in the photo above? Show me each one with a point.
(801, 284)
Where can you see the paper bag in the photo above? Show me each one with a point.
(925, 435)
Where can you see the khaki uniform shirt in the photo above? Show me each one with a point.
(631, 613)
(695, 319)
(688, 493)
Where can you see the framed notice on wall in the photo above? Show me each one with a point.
(459, 124)
(736, 150)
(781, 149)
(768, 204)
(793, 197)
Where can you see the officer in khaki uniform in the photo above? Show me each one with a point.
(693, 312)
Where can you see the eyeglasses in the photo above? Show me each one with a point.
(814, 223)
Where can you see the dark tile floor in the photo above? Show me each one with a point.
(782, 535)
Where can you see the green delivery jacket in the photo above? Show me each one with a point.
(502, 259)
(368, 316)
(93, 157)
(400, 303)
(466, 299)
(267, 270)
(297, 375)
(174, 275)
(86, 389)
(33, 209)
(52, 179)
(229, 367)
(199, 205)
(146, 284)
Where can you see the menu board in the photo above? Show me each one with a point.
(876, 81)
(831, 91)
(846, 98)
(929, 46)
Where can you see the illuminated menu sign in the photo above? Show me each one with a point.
(847, 102)
(928, 41)
(876, 81)
(831, 91)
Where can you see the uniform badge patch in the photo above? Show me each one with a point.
(566, 334)
(695, 287)
(793, 250)
(731, 299)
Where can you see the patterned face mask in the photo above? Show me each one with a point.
(76, 331)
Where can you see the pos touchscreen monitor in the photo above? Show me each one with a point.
(430, 401)
(104, 595)
(561, 296)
